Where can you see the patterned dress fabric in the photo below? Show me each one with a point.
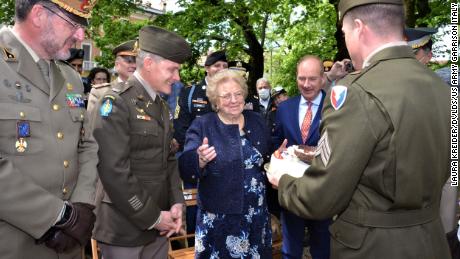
(247, 235)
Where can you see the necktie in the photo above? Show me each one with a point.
(306, 123)
(45, 69)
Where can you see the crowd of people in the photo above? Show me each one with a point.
(114, 168)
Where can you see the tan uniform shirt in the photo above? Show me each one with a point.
(46, 155)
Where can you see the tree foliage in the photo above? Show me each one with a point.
(7, 12)
(271, 35)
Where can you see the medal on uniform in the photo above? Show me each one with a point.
(21, 145)
(143, 117)
(75, 100)
(22, 131)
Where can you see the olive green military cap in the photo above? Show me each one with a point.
(166, 44)
(347, 5)
(125, 49)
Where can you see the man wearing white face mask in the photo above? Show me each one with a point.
(265, 101)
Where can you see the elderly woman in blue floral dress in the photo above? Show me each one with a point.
(225, 150)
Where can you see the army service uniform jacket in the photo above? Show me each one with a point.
(46, 155)
(191, 105)
(139, 174)
(381, 162)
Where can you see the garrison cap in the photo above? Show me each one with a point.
(77, 10)
(166, 44)
(347, 5)
(125, 49)
(214, 57)
(418, 37)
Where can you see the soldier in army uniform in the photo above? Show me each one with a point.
(143, 199)
(47, 158)
(125, 65)
(419, 39)
(383, 155)
(193, 101)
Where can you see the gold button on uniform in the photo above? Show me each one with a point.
(22, 114)
(66, 163)
(82, 116)
(55, 107)
(64, 191)
(60, 135)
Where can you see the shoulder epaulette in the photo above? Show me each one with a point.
(101, 85)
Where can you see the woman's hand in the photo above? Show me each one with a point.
(205, 153)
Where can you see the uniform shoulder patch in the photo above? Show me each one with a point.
(338, 96)
(107, 105)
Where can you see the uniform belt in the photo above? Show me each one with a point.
(389, 219)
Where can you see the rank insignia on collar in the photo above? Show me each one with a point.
(74, 100)
(106, 107)
(8, 55)
(338, 96)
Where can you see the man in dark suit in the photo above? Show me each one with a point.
(297, 120)
(383, 156)
(143, 200)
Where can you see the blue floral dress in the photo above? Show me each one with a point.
(245, 235)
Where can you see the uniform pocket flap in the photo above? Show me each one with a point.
(349, 235)
(13, 111)
(77, 114)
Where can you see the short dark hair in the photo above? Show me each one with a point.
(23, 7)
(94, 71)
(383, 19)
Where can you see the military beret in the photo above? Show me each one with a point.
(347, 5)
(212, 58)
(418, 37)
(166, 44)
(125, 49)
(75, 54)
(77, 10)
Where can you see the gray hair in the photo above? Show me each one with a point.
(221, 77)
(263, 79)
(142, 55)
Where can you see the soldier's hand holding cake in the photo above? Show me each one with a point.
(285, 161)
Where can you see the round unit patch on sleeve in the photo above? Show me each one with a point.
(338, 96)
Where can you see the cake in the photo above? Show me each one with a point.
(288, 162)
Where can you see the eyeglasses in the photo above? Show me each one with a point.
(227, 97)
(75, 26)
(128, 59)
